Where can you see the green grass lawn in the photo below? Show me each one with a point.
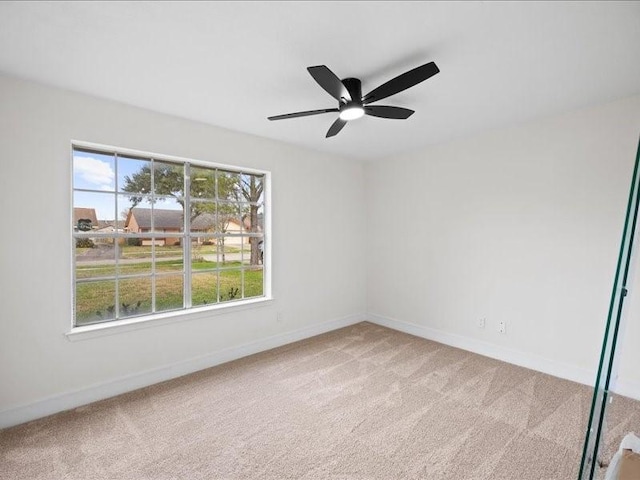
(95, 300)
(130, 251)
(96, 270)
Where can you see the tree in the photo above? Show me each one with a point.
(168, 181)
(252, 188)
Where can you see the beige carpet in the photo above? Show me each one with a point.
(363, 402)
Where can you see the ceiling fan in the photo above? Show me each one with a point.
(352, 104)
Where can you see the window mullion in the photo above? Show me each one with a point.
(218, 243)
(116, 310)
(186, 252)
(242, 237)
(153, 236)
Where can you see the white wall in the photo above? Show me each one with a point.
(520, 225)
(318, 253)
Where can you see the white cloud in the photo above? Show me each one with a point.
(95, 172)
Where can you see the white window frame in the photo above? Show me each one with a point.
(188, 311)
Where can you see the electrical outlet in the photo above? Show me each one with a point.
(280, 317)
(482, 322)
(502, 327)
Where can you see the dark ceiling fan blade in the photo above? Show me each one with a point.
(330, 82)
(388, 112)
(336, 127)
(402, 82)
(303, 114)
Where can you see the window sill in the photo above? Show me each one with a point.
(121, 326)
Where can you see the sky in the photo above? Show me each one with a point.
(95, 171)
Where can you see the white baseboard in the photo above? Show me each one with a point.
(100, 391)
(515, 357)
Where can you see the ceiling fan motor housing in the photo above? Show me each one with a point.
(354, 87)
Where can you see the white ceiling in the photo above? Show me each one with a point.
(232, 64)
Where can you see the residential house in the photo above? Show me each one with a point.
(172, 221)
(110, 226)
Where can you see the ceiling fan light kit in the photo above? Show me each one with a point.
(351, 103)
(351, 112)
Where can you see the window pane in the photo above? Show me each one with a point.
(261, 251)
(95, 257)
(204, 254)
(229, 186)
(95, 301)
(252, 217)
(135, 213)
(203, 183)
(230, 251)
(260, 218)
(204, 288)
(92, 212)
(168, 216)
(252, 187)
(135, 256)
(244, 217)
(168, 179)
(169, 292)
(235, 220)
(253, 284)
(252, 253)
(134, 296)
(169, 258)
(134, 175)
(228, 218)
(204, 218)
(230, 285)
(93, 170)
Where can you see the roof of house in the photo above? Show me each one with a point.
(171, 219)
(203, 221)
(162, 218)
(85, 213)
(110, 223)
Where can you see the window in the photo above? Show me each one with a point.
(153, 234)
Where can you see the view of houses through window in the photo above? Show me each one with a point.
(154, 235)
